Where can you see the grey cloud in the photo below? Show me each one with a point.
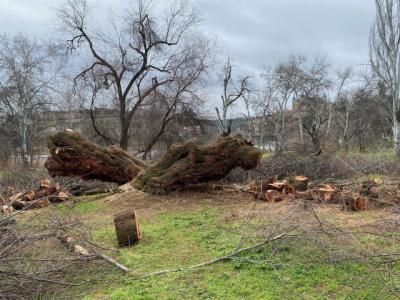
(263, 32)
(255, 33)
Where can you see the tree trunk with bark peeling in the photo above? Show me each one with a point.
(73, 155)
(182, 166)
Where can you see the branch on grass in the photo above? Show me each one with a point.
(222, 258)
(74, 246)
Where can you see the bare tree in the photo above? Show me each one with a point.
(181, 93)
(250, 120)
(264, 106)
(282, 83)
(385, 56)
(231, 94)
(26, 74)
(305, 83)
(293, 74)
(133, 56)
(342, 108)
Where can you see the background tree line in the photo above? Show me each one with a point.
(140, 80)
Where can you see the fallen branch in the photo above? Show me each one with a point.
(113, 262)
(73, 246)
(221, 258)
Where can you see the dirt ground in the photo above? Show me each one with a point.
(234, 206)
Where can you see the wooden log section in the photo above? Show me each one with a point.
(127, 228)
(300, 183)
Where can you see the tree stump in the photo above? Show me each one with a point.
(300, 183)
(127, 228)
(354, 201)
(326, 192)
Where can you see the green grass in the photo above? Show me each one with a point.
(175, 239)
(84, 205)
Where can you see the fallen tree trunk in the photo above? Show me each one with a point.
(183, 165)
(73, 155)
(189, 164)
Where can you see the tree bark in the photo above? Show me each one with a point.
(73, 155)
(300, 183)
(396, 135)
(191, 164)
(127, 228)
(182, 166)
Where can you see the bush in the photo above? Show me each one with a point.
(325, 166)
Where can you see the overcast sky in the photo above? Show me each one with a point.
(255, 33)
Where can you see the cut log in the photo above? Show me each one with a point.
(28, 196)
(44, 184)
(262, 185)
(127, 228)
(46, 192)
(278, 185)
(60, 197)
(18, 204)
(289, 190)
(354, 201)
(360, 203)
(16, 197)
(300, 183)
(73, 155)
(273, 196)
(326, 192)
(92, 187)
(306, 195)
(38, 203)
(260, 196)
(7, 210)
(189, 164)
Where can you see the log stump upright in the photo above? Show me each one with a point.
(127, 228)
(300, 183)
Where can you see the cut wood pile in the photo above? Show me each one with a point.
(87, 187)
(46, 193)
(350, 195)
(182, 166)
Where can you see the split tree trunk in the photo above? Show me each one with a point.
(73, 155)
